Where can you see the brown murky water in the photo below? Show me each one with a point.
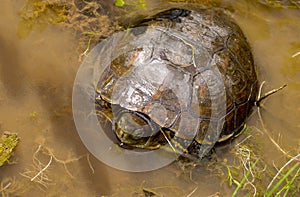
(36, 79)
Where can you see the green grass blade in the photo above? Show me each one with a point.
(244, 179)
(292, 182)
(269, 193)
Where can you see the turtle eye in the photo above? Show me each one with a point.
(133, 128)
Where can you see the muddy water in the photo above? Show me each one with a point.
(36, 79)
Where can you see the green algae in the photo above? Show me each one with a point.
(8, 142)
(39, 14)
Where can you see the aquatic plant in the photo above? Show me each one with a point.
(139, 3)
(290, 4)
(8, 142)
(39, 14)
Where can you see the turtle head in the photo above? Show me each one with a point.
(135, 129)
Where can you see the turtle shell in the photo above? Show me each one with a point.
(186, 74)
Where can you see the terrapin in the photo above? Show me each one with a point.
(183, 78)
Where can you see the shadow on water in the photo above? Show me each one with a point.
(12, 74)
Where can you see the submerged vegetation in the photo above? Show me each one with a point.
(250, 173)
(39, 14)
(81, 17)
(38, 172)
(290, 4)
(8, 142)
(242, 171)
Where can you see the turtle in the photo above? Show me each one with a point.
(181, 78)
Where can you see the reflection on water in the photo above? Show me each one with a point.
(36, 79)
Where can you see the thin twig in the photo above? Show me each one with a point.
(190, 194)
(5, 187)
(249, 169)
(269, 136)
(39, 168)
(260, 116)
(244, 179)
(260, 89)
(90, 164)
(172, 147)
(64, 162)
(260, 99)
(38, 174)
(280, 181)
(275, 166)
(296, 54)
(86, 50)
(245, 155)
(286, 164)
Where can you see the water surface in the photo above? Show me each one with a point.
(36, 79)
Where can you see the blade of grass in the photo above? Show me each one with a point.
(269, 193)
(286, 164)
(292, 182)
(244, 179)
